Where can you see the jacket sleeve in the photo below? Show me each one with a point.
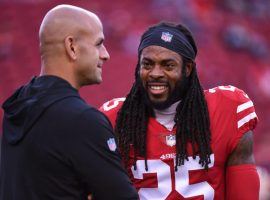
(96, 160)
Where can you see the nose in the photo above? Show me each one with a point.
(156, 72)
(104, 55)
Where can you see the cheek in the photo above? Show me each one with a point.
(173, 78)
(142, 75)
(92, 53)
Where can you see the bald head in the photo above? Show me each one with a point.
(64, 20)
(71, 45)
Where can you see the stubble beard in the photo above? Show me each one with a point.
(177, 94)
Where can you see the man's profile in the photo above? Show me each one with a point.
(54, 145)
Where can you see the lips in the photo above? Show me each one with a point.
(100, 65)
(157, 88)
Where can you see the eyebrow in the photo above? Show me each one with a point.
(146, 59)
(162, 61)
(169, 60)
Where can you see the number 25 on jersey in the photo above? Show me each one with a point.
(165, 183)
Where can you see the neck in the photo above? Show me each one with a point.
(64, 72)
(166, 116)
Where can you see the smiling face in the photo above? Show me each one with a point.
(92, 55)
(161, 73)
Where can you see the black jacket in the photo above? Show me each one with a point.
(55, 146)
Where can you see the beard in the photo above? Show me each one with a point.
(177, 94)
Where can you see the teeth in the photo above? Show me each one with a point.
(157, 87)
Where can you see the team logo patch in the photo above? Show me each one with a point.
(111, 144)
(170, 140)
(166, 36)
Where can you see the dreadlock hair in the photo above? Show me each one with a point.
(192, 117)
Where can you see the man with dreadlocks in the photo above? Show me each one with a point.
(177, 140)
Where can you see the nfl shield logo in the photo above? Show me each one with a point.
(170, 140)
(111, 144)
(166, 36)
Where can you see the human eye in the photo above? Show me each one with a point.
(169, 65)
(146, 64)
(99, 43)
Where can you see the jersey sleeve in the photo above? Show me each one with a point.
(96, 160)
(246, 116)
(245, 113)
(238, 109)
(110, 109)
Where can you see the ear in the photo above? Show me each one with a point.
(189, 68)
(70, 47)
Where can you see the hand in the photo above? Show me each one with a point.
(89, 197)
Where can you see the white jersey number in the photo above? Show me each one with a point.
(228, 88)
(182, 186)
(112, 104)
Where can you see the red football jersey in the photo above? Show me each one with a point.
(231, 115)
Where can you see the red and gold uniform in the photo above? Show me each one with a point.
(231, 115)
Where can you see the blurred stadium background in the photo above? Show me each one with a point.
(233, 37)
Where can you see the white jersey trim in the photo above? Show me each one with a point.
(244, 106)
(244, 120)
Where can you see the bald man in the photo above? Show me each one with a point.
(54, 145)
